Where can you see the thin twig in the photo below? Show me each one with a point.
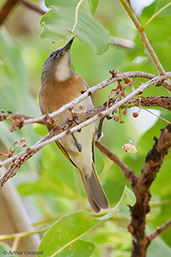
(158, 231)
(139, 90)
(21, 157)
(156, 14)
(22, 234)
(145, 41)
(9, 115)
(159, 117)
(158, 101)
(129, 174)
(18, 120)
(95, 88)
(33, 7)
(15, 243)
(122, 42)
(143, 36)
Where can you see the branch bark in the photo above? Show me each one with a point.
(122, 42)
(158, 231)
(141, 189)
(141, 185)
(157, 101)
(32, 7)
(100, 86)
(129, 174)
(18, 159)
(18, 120)
(21, 157)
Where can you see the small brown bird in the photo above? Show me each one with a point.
(60, 85)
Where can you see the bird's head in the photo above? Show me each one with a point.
(57, 66)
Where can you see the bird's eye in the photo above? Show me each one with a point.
(51, 54)
(62, 53)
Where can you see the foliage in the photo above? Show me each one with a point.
(63, 238)
(76, 19)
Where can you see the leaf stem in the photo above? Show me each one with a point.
(156, 14)
(129, 174)
(159, 117)
(22, 234)
(76, 14)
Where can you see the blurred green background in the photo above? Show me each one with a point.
(49, 185)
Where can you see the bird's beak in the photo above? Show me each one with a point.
(68, 45)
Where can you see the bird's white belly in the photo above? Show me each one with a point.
(84, 158)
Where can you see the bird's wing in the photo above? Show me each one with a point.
(62, 149)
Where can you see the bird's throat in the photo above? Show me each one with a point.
(63, 69)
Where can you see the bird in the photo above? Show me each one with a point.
(59, 86)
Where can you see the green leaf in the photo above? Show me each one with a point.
(146, 141)
(14, 79)
(93, 5)
(45, 186)
(15, 95)
(127, 198)
(12, 60)
(14, 88)
(76, 19)
(63, 238)
(163, 7)
(40, 129)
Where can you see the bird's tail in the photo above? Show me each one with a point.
(95, 193)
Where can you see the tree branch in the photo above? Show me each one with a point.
(139, 211)
(18, 120)
(32, 7)
(158, 231)
(6, 9)
(154, 160)
(158, 101)
(122, 42)
(129, 174)
(18, 159)
(99, 86)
